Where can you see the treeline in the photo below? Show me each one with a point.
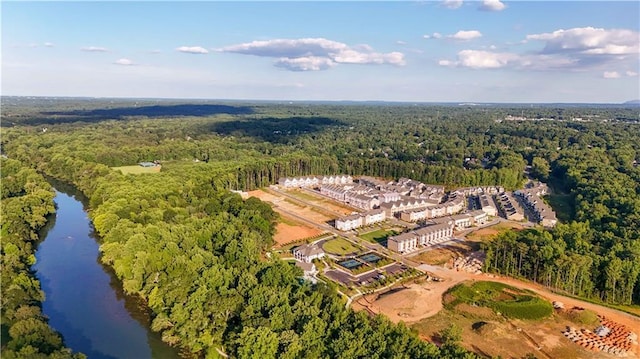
(27, 200)
(598, 255)
(194, 252)
(266, 172)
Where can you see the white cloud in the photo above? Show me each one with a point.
(400, 42)
(49, 44)
(452, 4)
(310, 63)
(435, 35)
(124, 62)
(476, 59)
(314, 54)
(446, 63)
(465, 35)
(575, 49)
(94, 49)
(591, 41)
(479, 59)
(631, 73)
(611, 75)
(492, 5)
(193, 50)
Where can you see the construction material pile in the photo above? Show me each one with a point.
(610, 337)
(471, 263)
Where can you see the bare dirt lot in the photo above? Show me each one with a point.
(286, 233)
(321, 201)
(421, 306)
(281, 205)
(412, 304)
(487, 233)
(446, 254)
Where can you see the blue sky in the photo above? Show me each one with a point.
(433, 51)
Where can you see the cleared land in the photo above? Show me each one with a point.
(446, 254)
(488, 233)
(318, 200)
(421, 306)
(339, 246)
(281, 205)
(287, 233)
(137, 169)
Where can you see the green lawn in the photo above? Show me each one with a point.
(506, 300)
(340, 246)
(136, 169)
(378, 236)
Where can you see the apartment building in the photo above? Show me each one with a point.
(354, 221)
(425, 236)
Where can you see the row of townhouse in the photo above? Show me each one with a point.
(464, 220)
(455, 204)
(349, 194)
(425, 236)
(404, 187)
(335, 191)
(360, 220)
(532, 197)
(487, 205)
(477, 191)
(362, 201)
(407, 204)
(510, 207)
(313, 181)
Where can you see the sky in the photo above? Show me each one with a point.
(413, 51)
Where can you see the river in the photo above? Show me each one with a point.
(84, 300)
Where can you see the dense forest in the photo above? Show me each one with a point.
(27, 200)
(182, 241)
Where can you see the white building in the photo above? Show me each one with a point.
(487, 205)
(349, 222)
(410, 241)
(359, 220)
(308, 252)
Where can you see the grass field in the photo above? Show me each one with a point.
(378, 236)
(509, 301)
(339, 246)
(136, 169)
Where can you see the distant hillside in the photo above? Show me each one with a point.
(633, 102)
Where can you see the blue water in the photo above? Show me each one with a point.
(84, 301)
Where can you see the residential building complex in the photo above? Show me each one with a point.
(313, 181)
(510, 207)
(531, 196)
